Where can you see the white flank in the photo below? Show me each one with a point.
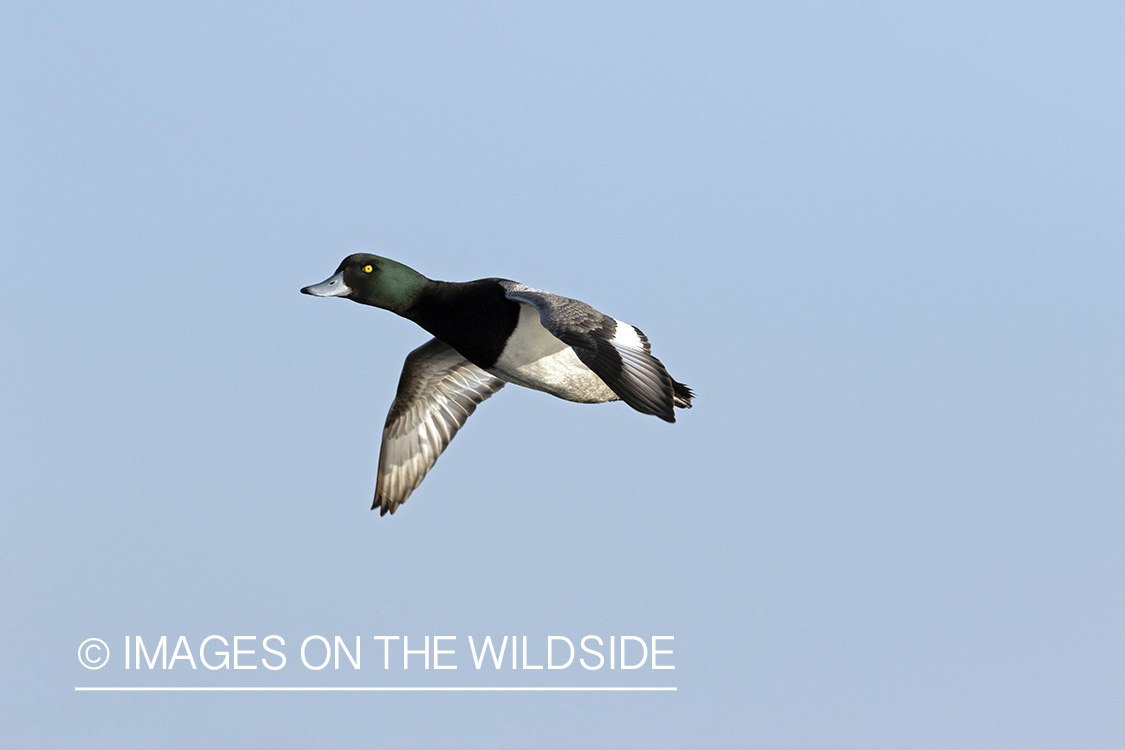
(535, 359)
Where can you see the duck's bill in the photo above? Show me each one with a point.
(330, 287)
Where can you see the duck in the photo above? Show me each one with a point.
(488, 333)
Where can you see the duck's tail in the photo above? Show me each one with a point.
(681, 395)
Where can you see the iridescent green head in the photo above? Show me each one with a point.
(372, 280)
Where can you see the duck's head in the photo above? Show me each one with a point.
(372, 280)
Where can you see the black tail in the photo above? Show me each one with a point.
(681, 395)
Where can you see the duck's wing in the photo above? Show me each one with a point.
(437, 392)
(617, 352)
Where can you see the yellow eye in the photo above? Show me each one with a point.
(367, 269)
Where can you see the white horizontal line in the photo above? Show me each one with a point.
(375, 689)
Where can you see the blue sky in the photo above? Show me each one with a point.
(882, 243)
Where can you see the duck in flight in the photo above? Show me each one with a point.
(488, 333)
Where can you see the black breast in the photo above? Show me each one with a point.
(475, 317)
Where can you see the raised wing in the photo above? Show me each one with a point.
(437, 392)
(617, 352)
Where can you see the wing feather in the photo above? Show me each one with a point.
(437, 392)
(617, 352)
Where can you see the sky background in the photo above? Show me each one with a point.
(883, 242)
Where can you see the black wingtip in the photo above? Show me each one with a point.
(382, 506)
